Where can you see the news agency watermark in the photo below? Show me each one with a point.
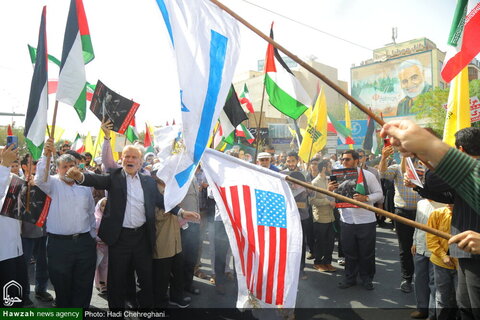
(12, 293)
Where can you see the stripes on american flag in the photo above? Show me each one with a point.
(259, 223)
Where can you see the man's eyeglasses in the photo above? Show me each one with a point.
(346, 159)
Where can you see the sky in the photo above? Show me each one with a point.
(133, 55)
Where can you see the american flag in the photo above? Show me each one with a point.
(259, 223)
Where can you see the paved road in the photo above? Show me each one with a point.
(318, 296)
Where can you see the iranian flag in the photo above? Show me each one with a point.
(36, 117)
(360, 187)
(77, 51)
(245, 99)
(285, 92)
(464, 40)
(78, 145)
(132, 133)
(242, 131)
(343, 133)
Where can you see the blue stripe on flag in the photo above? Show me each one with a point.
(166, 18)
(184, 107)
(218, 49)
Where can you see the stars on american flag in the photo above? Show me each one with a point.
(271, 209)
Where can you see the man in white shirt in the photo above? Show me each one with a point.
(358, 231)
(12, 263)
(71, 248)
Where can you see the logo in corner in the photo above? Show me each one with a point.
(12, 293)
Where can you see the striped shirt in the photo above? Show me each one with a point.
(405, 198)
(462, 173)
(464, 217)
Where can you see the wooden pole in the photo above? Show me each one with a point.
(363, 205)
(259, 123)
(301, 62)
(311, 69)
(52, 135)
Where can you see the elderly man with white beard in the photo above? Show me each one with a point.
(71, 248)
(412, 82)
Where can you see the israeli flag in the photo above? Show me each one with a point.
(206, 44)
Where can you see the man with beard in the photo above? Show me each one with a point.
(71, 246)
(412, 82)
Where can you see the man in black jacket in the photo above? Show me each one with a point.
(128, 224)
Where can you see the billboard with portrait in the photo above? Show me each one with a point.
(391, 87)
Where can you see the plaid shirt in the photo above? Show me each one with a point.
(405, 198)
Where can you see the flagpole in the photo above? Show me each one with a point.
(259, 123)
(363, 205)
(300, 62)
(309, 68)
(52, 136)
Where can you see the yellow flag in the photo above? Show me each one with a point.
(97, 146)
(315, 137)
(88, 143)
(348, 123)
(58, 132)
(292, 132)
(458, 107)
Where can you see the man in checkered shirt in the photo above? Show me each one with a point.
(405, 201)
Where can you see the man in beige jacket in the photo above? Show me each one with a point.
(322, 209)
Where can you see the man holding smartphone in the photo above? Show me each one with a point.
(358, 231)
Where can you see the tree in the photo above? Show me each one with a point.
(429, 105)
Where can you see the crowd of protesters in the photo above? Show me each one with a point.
(107, 228)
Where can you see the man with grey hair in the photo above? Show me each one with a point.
(71, 248)
(128, 224)
(412, 82)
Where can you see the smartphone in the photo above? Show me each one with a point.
(12, 140)
(333, 178)
(386, 143)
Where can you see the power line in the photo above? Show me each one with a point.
(308, 26)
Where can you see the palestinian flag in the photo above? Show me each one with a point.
(53, 83)
(36, 118)
(132, 133)
(242, 131)
(78, 145)
(285, 92)
(343, 133)
(148, 142)
(77, 51)
(245, 99)
(360, 187)
(232, 114)
(370, 142)
(463, 41)
(33, 55)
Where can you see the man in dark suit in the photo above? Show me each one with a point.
(128, 224)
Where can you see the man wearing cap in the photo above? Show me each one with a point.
(264, 159)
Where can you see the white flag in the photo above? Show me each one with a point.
(263, 226)
(206, 44)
